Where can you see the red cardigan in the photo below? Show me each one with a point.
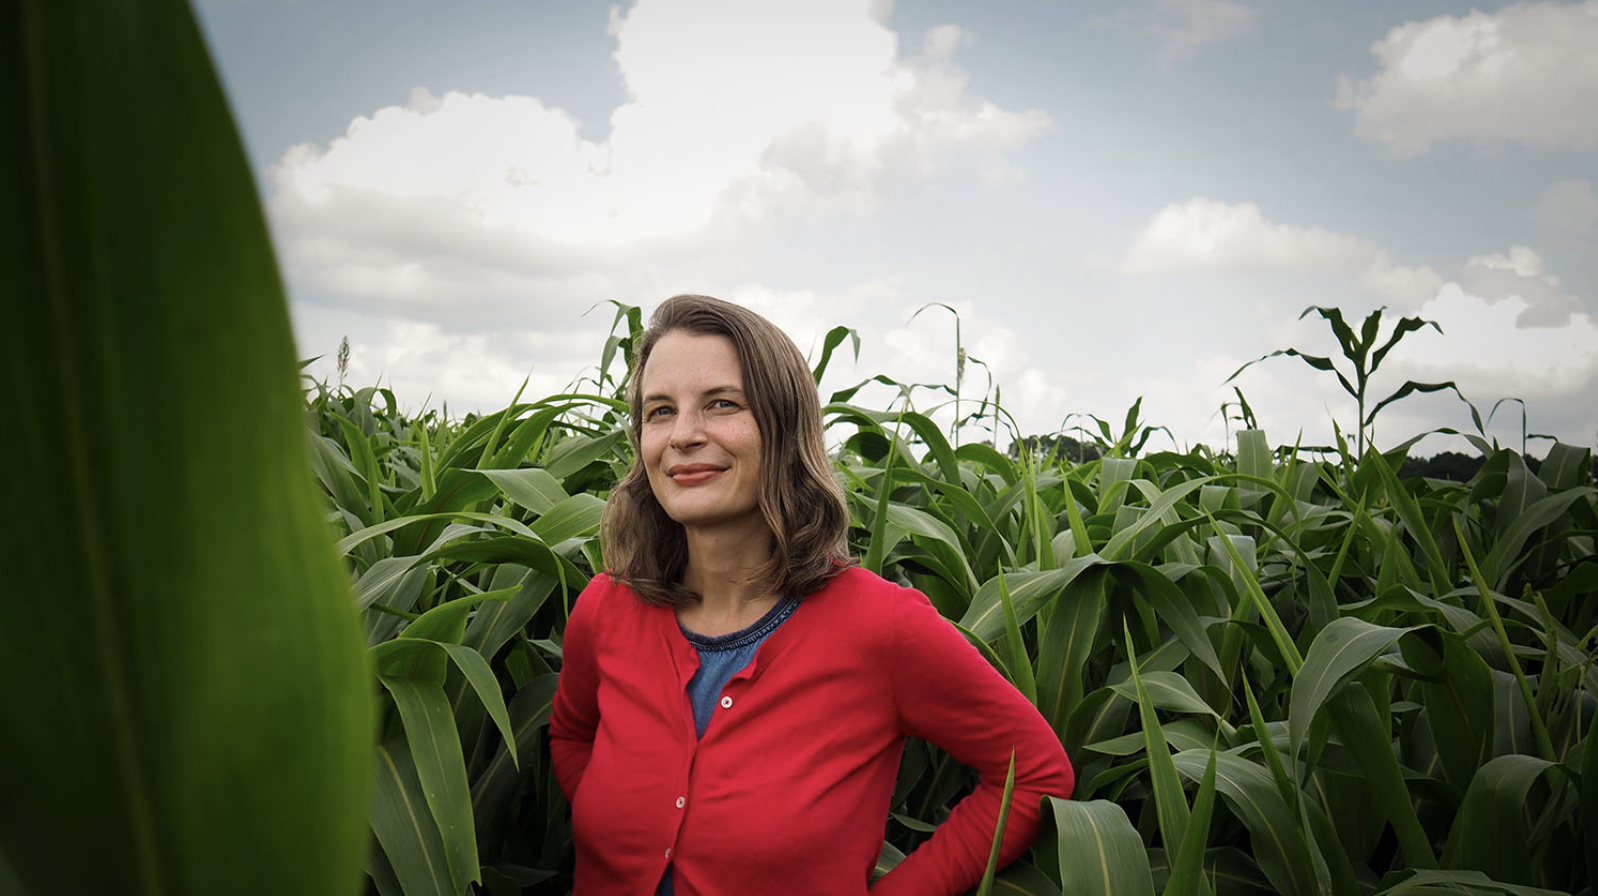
(789, 790)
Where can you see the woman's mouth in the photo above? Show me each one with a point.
(694, 474)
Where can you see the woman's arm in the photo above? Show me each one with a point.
(575, 715)
(948, 694)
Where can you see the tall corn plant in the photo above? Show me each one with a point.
(186, 703)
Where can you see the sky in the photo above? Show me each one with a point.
(1098, 202)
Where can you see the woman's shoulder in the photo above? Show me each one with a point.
(608, 596)
(861, 594)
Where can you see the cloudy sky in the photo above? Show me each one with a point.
(1120, 200)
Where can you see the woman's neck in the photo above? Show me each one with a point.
(724, 568)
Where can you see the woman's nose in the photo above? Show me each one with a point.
(687, 429)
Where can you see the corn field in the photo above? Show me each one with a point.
(1276, 670)
(1275, 674)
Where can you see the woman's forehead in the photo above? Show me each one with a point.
(695, 361)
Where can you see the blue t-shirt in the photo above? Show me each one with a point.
(720, 658)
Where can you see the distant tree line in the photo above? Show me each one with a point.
(1450, 465)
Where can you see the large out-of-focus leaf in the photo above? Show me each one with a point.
(185, 686)
(1100, 853)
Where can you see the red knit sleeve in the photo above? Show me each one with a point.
(948, 694)
(575, 715)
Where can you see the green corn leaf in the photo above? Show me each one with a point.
(458, 493)
(1566, 466)
(872, 561)
(1490, 607)
(476, 671)
(1366, 735)
(1020, 663)
(1100, 853)
(404, 825)
(985, 887)
(1273, 759)
(1165, 690)
(424, 450)
(1277, 840)
(1507, 551)
(1169, 801)
(531, 487)
(1588, 822)
(337, 475)
(1159, 507)
(365, 464)
(1338, 653)
(1065, 643)
(1488, 834)
(833, 339)
(186, 685)
(573, 517)
(441, 770)
(1457, 691)
(1187, 872)
(1262, 604)
(349, 542)
(493, 787)
(1021, 879)
(1409, 512)
(1449, 883)
(1028, 592)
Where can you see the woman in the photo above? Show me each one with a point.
(735, 693)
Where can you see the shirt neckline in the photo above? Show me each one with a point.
(746, 636)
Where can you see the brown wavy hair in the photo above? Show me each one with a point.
(800, 498)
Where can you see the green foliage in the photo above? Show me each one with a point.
(186, 706)
(1364, 668)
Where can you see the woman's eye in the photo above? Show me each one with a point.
(658, 411)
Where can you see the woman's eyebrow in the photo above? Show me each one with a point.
(712, 391)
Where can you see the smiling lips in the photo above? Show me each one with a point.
(694, 474)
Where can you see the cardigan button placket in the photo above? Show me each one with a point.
(726, 703)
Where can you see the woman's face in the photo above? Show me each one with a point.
(699, 441)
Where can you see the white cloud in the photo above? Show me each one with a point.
(1520, 276)
(1205, 235)
(1492, 357)
(1570, 208)
(1184, 26)
(471, 371)
(1525, 74)
(737, 113)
